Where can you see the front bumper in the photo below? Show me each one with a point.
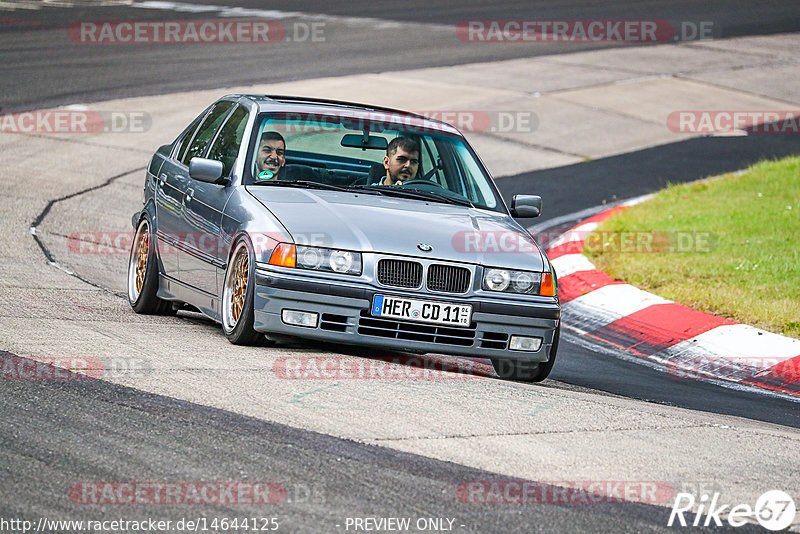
(344, 317)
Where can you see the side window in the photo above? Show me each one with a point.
(206, 131)
(470, 174)
(226, 146)
(185, 140)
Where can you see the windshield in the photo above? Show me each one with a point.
(356, 150)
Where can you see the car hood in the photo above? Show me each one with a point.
(391, 225)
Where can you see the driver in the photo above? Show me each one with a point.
(401, 161)
(271, 156)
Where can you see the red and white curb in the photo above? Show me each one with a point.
(688, 343)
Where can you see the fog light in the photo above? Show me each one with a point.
(528, 344)
(300, 318)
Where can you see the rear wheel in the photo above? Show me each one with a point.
(526, 371)
(143, 275)
(237, 297)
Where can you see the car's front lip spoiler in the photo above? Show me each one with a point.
(538, 310)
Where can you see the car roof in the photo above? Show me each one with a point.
(321, 106)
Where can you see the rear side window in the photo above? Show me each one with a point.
(226, 146)
(206, 130)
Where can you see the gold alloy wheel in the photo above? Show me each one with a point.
(239, 289)
(141, 260)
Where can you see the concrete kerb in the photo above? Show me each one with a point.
(685, 343)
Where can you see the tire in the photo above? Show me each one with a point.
(237, 296)
(525, 371)
(143, 274)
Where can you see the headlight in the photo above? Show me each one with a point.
(317, 259)
(309, 258)
(496, 280)
(508, 281)
(522, 282)
(343, 261)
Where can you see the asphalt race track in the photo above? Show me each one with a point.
(195, 408)
(415, 36)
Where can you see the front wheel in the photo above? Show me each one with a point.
(237, 296)
(143, 275)
(525, 371)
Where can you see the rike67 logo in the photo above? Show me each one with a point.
(774, 510)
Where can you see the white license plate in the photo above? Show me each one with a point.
(424, 311)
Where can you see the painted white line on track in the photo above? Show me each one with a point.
(571, 263)
(740, 342)
(617, 299)
(576, 337)
(276, 14)
(586, 318)
(39, 4)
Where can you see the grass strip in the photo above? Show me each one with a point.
(728, 245)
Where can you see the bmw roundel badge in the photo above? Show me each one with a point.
(424, 247)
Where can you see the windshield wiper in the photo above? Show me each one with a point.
(304, 184)
(415, 194)
(385, 190)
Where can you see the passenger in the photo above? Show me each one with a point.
(401, 161)
(271, 156)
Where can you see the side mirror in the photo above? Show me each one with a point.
(206, 170)
(526, 206)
